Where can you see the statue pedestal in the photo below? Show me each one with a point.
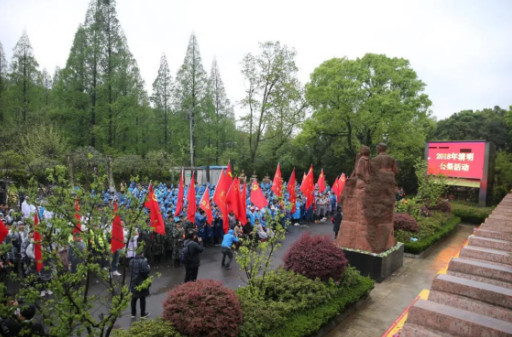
(376, 266)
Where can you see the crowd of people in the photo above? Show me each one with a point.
(182, 243)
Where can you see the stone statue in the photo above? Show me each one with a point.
(368, 203)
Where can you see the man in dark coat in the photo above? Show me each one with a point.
(192, 255)
(336, 221)
(140, 269)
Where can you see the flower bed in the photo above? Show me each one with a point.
(431, 231)
(293, 305)
(289, 304)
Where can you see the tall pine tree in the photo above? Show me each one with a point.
(24, 77)
(162, 98)
(220, 112)
(3, 81)
(101, 67)
(191, 82)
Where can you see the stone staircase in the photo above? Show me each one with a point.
(474, 297)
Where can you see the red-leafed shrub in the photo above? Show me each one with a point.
(203, 308)
(316, 256)
(405, 222)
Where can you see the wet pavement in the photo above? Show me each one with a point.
(210, 268)
(387, 300)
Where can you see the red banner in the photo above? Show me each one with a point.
(456, 159)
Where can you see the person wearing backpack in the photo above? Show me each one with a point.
(190, 255)
(140, 269)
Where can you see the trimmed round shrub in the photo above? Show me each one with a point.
(405, 222)
(203, 308)
(316, 256)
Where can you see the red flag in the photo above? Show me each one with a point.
(341, 185)
(117, 241)
(233, 198)
(191, 199)
(3, 231)
(219, 196)
(308, 188)
(277, 183)
(229, 174)
(157, 222)
(37, 245)
(257, 196)
(291, 190)
(321, 182)
(78, 227)
(179, 205)
(206, 206)
(243, 206)
(335, 187)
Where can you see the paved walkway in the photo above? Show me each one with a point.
(386, 303)
(211, 269)
(389, 298)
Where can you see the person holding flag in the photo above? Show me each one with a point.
(219, 197)
(156, 220)
(179, 203)
(277, 183)
(117, 240)
(206, 207)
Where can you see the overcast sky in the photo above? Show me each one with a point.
(461, 49)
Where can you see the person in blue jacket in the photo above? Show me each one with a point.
(227, 242)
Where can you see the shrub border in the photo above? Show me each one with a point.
(319, 321)
(470, 214)
(420, 248)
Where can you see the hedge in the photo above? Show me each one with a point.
(309, 322)
(470, 213)
(148, 328)
(303, 307)
(420, 245)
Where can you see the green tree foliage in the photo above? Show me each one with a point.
(430, 188)
(43, 147)
(274, 100)
(24, 81)
(254, 255)
(101, 92)
(3, 81)
(162, 99)
(486, 124)
(364, 101)
(502, 176)
(220, 116)
(75, 309)
(191, 82)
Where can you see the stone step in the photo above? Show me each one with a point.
(498, 227)
(456, 322)
(499, 218)
(486, 233)
(486, 254)
(469, 304)
(481, 268)
(505, 223)
(490, 243)
(484, 292)
(498, 283)
(415, 330)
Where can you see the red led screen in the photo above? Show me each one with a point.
(457, 159)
